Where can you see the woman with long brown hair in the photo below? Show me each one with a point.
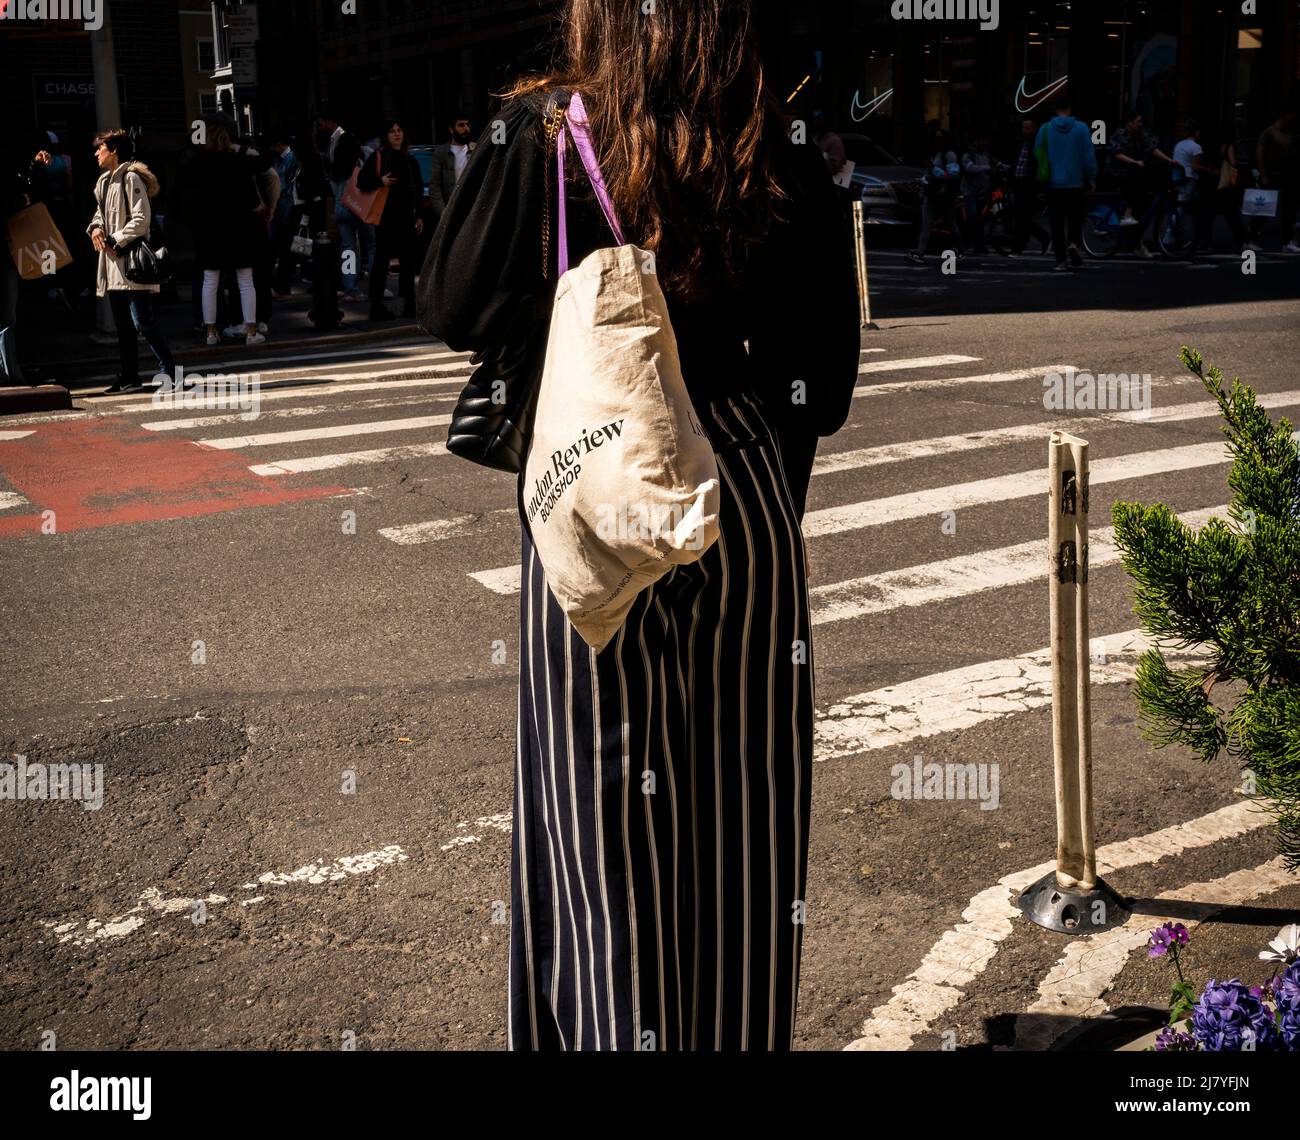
(662, 783)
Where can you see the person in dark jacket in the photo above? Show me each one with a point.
(17, 189)
(392, 166)
(229, 220)
(672, 922)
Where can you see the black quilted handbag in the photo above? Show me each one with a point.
(492, 420)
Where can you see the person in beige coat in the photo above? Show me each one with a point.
(123, 215)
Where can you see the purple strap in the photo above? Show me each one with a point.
(576, 120)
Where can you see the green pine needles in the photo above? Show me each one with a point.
(1233, 590)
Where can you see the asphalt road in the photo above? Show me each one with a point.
(294, 650)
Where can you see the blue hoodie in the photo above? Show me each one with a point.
(1069, 152)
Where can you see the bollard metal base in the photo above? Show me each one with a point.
(1072, 911)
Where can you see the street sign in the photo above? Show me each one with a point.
(243, 66)
(241, 26)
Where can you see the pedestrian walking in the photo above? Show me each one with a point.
(1277, 157)
(1026, 198)
(342, 151)
(122, 216)
(661, 812)
(939, 196)
(1134, 153)
(977, 167)
(1064, 151)
(393, 167)
(1221, 193)
(17, 191)
(449, 162)
(229, 220)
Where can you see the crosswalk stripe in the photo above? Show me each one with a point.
(240, 363)
(962, 954)
(10, 436)
(962, 576)
(331, 388)
(458, 526)
(504, 580)
(1072, 989)
(347, 459)
(11, 499)
(302, 412)
(335, 431)
(974, 441)
(1004, 488)
(961, 698)
(913, 362)
(952, 381)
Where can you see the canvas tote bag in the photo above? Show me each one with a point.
(620, 483)
(31, 233)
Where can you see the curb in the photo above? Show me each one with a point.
(44, 398)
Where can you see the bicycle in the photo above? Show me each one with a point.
(1104, 233)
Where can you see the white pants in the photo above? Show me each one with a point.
(247, 295)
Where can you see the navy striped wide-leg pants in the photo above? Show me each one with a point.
(662, 789)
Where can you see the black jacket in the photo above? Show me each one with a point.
(483, 286)
(404, 195)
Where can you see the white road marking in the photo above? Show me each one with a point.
(499, 822)
(335, 431)
(1004, 488)
(961, 576)
(151, 899)
(905, 363)
(334, 871)
(412, 534)
(348, 459)
(1074, 986)
(331, 388)
(241, 363)
(11, 499)
(996, 437)
(217, 419)
(504, 580)
(8, 436)
(963, 953)
(952, 381)
(960, 698)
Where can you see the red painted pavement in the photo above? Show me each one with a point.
(106, 471)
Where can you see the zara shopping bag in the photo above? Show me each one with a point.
(620, 483)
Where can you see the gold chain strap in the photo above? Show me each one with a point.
(552, 129)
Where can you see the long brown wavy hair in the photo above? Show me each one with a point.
(684, 125)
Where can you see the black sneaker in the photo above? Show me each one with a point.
(1076, 258)
(1060, 267)
(916, 258)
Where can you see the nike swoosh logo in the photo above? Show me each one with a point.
(1038, 96)
(866, 108)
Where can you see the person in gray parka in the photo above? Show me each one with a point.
(123, 215)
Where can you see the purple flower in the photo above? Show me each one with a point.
(1163, 937)
(1286, 991)
(1227, 1015)
(1171, 1040)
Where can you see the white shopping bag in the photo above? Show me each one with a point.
(1259, 203)
(620, 483)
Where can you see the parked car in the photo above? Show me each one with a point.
(889, 190)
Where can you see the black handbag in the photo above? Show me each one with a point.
(144, 261)
(492, 421)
